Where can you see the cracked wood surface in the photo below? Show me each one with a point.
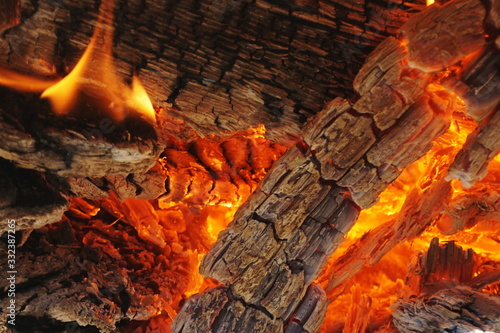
(282, 236)
(223, 65)
(450, 296)
(33, 138)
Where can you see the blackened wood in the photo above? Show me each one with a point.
(10, 14)
(28, 198)
(34, 138)
(94, 269)
(461, 308)
(447, 295)
(224, 65)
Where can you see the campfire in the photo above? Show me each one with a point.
(250, 166)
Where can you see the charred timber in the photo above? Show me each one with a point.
(223, 65)
(280, 237)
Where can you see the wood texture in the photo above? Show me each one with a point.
(448, 297)
(33, 138)
(223, 65)
(471, 163)
(284, 233)
(261, 255)
(95, 269)
(461, 308)
(10, 14)
(28, 198)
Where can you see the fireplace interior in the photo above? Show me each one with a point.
(250, 166)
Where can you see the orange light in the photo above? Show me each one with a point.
(429, 2)
(25, 83)
(382, 282)
(139, 100)
(102, 84)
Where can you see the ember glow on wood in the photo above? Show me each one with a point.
(327, 166)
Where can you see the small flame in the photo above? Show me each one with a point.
(429, 2)
(139, 99)
(22, 82)
(103, 84)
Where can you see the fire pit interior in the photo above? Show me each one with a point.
(250, 166)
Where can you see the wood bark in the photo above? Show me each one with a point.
(448, 297)
(33, 138)
(28, 198)
(462, 309)
(471, 164)
(280, 238)
(223, 65)
(66, 267)
(283, 235)
(94, 270)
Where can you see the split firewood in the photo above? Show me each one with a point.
(461, 308)
(477, 206)
(471, 163)
(418, 211)
(448, 297)
(223, 65)
(281, 232)
(261, 256)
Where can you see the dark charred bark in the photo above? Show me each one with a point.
(223, 65)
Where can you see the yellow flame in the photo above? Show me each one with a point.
(21, 82)
(103, 83)
(139, 100)
(429, 2)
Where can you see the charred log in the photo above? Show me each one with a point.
(449, 298)
(28, 199)
(223, 65)
(95, 271)
(297, 217)
(279, 216)
(34, 138)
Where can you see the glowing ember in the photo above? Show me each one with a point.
(208, 185)
(378, 286)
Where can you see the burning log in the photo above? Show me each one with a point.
(451, 298)
(33, 138)
(295, 233)
(462, 309)
(265, 276)
(91, 269)
(222, 65)
(418, 212)
(282, 236)
(471, 163)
